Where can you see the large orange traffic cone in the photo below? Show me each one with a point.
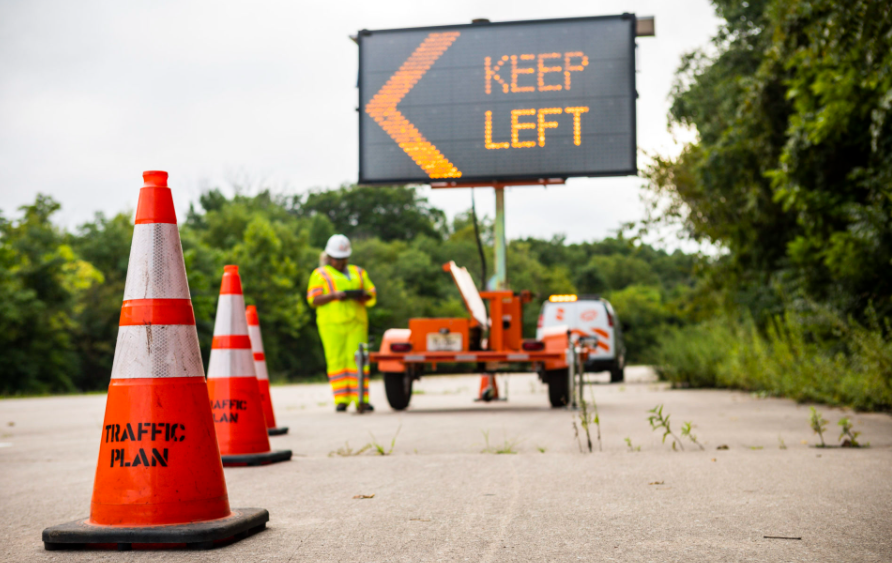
(159, 479)
(262, 374)
(232, 383)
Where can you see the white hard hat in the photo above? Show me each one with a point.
(338, 246)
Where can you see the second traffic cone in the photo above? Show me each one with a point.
(159, 479)
(232, 383)
(489, 389)
(262, 374)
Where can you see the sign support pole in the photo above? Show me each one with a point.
(500, 244)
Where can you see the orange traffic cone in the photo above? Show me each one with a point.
(232, 383)
(262, 374)
(159, 479)
(489, 390)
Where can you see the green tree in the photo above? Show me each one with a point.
(385, 212)
(104, 243)
(644, 318)
(40, 280)
(791, 170)
(271, 247)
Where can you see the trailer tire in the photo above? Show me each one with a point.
(558, 387)
(398, 387)
(617, 375)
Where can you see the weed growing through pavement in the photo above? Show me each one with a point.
(780, 443)
(586, 419)
(686, 431)
(379, 449)
(818, 425)
(849, 439)
(631, 447)
(347, 451)
(541, 449)
(597, 418)
(657, 420)
(507, 446)
(373, 446)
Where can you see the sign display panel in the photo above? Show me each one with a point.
(498, 101)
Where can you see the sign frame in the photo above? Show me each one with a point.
(500, 179)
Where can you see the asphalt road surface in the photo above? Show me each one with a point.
(441, 496)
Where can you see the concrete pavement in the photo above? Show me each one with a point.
(438, 498)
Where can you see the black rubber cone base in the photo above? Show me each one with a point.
(251, 460)
(80, 534)
(277, 431)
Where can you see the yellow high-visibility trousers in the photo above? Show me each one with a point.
(341, 341)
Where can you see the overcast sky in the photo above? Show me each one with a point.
(93, 93)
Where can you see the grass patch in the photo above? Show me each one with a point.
(810, 356)
(380, 449)
(507, 446)
(373, 447)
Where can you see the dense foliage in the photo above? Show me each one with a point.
(62, 291)
(792, 171)
(791, 175)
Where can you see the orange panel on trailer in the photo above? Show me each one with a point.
(512, 313)
(507, 307)
(439, 335)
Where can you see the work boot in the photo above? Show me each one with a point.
(341, 407)
(367, 407)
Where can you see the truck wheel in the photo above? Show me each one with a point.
(617, 375)
(558, 387)
(398, 387)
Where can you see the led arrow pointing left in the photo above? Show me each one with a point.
(382, 107)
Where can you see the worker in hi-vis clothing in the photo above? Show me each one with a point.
(340, 293)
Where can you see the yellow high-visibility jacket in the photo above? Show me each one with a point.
(326, 280)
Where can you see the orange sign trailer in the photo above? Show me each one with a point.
(490, 338)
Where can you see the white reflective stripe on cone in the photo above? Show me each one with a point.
(230, 316)
(147, 351)
(231, 362)
(256, 340)
(156, 269)
(260, 368)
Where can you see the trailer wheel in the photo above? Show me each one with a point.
(558, 387)
(617, 375)
(398, 387)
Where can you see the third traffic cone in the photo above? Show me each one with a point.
(159, 479)
(232, 383)
(489, 389)
(262, 374)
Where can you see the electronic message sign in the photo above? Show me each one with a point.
(498, 101)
